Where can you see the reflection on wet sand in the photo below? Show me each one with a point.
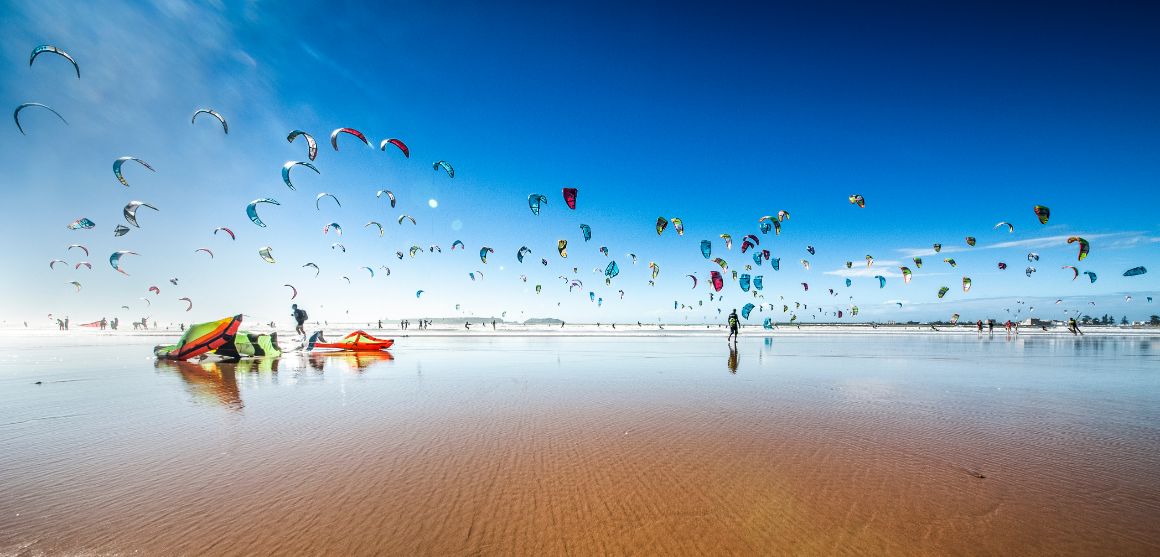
(732, 359)
(351, 361)
(214, 382)
(925, 445)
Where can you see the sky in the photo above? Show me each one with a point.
(947, 119)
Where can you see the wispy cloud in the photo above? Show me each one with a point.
(1117, 240)
(886, 268)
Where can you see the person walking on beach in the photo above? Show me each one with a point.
(734, 326)
(979, 326)
(990, 326)
(300, 317)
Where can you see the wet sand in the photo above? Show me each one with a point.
(841, 444)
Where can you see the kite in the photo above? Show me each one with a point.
(562, 247)
(782, 215)
(951, 262)
(678, 225)
(805, 287)
(483, 253)
(694, 277)
(612, 270)
(534, 201)
(252, 210)
(351, 131)
(376, 223)
(154, 290)
(339, 246)
(52, 263)
(293, 291)
(457, 243)
(811, 250)
(446, 166)
(418, 293)
(721, 263)
(656, 269)
(728, 241)
(604, 250)
(130, 211)
(1083, 246)
(1090, 275)
(76, 284)
(318, 200)
(1010, 227)
(745, 310)
(1032, 257)
(757, 282)
(717, 281)
(117, 168)
(413, 251)
(1002, 266)
(1135, 271)
(805, 264)
(397, 143)
(336, 227)
(266, 254)
(586, 231)
(316, 271)
(291, 164)
(1028, 271)
(226, 230)
(966, 284)
(188, 301)
(205, 250)
(406, 217)
(881, 281)
(905, 274)
(1043, 213)
(776, 263)
(858, 200)
(662, 223)
(115, 260)
(54, 50)
(744, 282)
(521, 252)
(937, 248)
(869, 260)
(311, 145)
(390, 194)
(215, 114)
(120, 230)
(971, 241)
(570, 197)
(706, 248)
(82, 248)
(16, 114)
(1074, 271)
(369, 270)
(943, 292)
(849, 282)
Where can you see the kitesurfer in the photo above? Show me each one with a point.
(300, 317)
(1073, 326)
(734, 326)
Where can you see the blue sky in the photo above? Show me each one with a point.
(947, 119)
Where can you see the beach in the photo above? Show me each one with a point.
(595, 443)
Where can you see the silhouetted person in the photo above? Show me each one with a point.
(734, 326)
(300, 317)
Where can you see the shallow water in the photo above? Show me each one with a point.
(808, 444)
